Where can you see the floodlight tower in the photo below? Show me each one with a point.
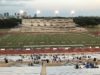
(38, 12)
(56, 12)
(21, 13)
(72, 13)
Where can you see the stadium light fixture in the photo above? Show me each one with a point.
(72, 13)
(21, 12)
(56, 12)
(38, 12)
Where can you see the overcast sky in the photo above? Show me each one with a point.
(47, 7)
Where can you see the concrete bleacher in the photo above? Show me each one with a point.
(50, 70)
(20, 70)
(55, 70)
(48, 57)
(69, 70)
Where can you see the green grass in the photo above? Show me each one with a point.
(94, 29)
(26, 39)
(4, 30)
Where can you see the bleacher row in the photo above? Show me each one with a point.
(56, 70)
(52, 50)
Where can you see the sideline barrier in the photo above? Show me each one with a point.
(47, 51)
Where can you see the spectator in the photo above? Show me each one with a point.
(6, 60)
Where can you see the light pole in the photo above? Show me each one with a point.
(72, 13)
(56, 12)
(21, 13)
(38, 12)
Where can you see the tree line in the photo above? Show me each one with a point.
(87, 21)
(9, 23)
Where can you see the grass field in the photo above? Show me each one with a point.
(27, 39)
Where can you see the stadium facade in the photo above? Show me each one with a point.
(52, 23)
(49, 25)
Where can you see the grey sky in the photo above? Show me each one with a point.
(47, 7)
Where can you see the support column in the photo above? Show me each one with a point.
(43, 70)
